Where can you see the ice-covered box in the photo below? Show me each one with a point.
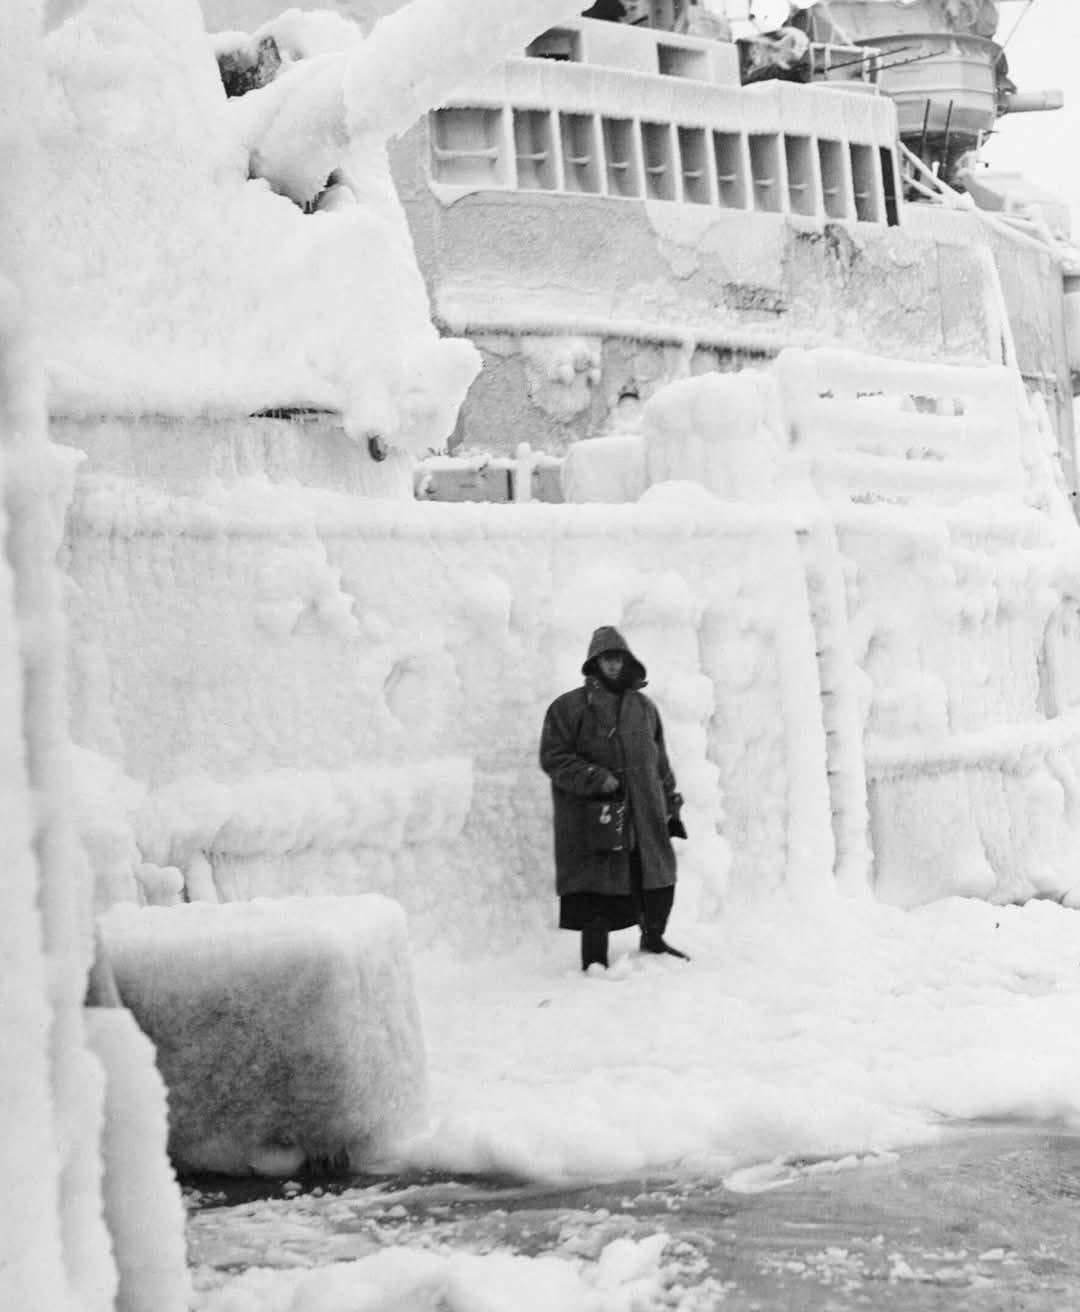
(287, 1031)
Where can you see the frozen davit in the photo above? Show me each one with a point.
(355, 371)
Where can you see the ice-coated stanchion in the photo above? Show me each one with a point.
(287, 1031)
(523, 472)
(844, 763)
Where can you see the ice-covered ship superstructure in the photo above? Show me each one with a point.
(378, 664)
(854, 576)
(616, 207)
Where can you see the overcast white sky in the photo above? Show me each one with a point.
(1045, 52)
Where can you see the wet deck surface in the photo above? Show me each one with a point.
(987, 1219)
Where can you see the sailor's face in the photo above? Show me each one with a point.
(610, 663)
(637, 11)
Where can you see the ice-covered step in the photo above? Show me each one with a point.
(287, 1031)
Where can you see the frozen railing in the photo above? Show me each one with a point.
(875, 429)
(870, 429)
(541, 125)
(527, 475)
(1029, 223)
(844, 64)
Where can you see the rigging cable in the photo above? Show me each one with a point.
(1027, 10)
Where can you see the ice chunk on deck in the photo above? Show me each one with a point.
(719, 430)
(287, 1030)
(605, 469)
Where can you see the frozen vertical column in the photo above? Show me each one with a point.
(838, 675)
(54, 1251)
(824, 568)
(31, 1248)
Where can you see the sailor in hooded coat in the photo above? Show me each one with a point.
(605, 739)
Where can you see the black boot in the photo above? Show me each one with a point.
(594, 947)
(652, 940)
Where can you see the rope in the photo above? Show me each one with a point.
(1027, 10)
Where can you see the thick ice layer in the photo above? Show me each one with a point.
(941, 572)
(835, 657)
(205, 288)
(466, 621)
(286, 1031)
(204, 292)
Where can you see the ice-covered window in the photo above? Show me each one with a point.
(560, 43)
(765, 170)
(834, 191)
(864, 184)
(730, 170)
(657, 155)
(466, 147)
(801, 175)
(581, 164)
(534, 149)
(621, 157)
(694, 166)
(682, 61)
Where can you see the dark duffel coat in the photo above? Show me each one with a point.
(589, 734)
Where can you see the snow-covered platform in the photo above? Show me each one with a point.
(286, 1031)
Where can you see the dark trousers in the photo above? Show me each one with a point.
(652, 907)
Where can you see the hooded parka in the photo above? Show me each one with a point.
(589, 734)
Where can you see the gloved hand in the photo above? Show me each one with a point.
(675, 826)
(610, 785)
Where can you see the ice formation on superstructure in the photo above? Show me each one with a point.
(314, 683)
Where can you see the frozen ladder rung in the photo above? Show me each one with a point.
(849, 422)
(441, 152)
(985, 390)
